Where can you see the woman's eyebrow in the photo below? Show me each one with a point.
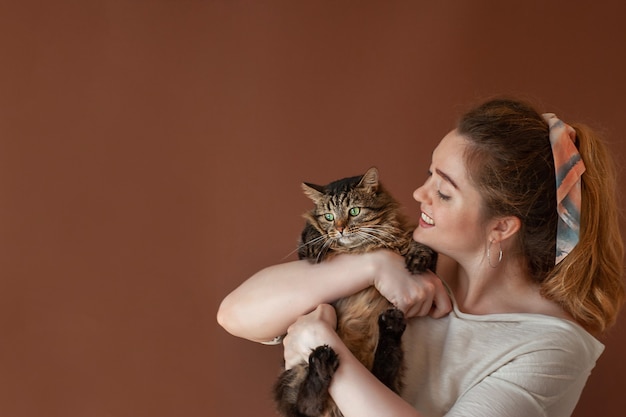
(446, 177)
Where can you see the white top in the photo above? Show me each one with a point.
(497, 365)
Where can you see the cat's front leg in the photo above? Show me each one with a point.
(313, 398)
(389, 357)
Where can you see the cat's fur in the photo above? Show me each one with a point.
(366, 322)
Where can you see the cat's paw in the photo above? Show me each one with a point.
(420, 257)
(392, 322)
(323, 362)
(313, 397)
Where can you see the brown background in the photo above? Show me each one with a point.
(151, 154)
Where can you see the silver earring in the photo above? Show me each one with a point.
(489, 254)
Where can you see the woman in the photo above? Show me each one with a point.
(534, 275)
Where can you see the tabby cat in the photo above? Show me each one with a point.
(352, 215)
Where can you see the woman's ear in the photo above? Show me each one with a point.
(504, 228)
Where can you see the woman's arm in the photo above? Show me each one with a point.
(358, 393)
(266, 304)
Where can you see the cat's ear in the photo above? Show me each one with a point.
(314, 192)
(370, 179)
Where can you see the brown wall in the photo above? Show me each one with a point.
(151, 154)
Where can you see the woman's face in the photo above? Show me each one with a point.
(450, 220)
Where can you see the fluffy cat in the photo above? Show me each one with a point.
(352, 215)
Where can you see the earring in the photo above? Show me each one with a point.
(489, 254)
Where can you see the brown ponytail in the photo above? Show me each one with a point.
(588, 283)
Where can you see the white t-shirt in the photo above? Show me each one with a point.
(496, 365)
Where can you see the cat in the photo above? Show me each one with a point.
(352, 215)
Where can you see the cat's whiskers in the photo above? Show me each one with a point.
(325, 248)
(370, 237)
(305, 244)
(381, 234)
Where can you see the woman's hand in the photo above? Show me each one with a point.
(308, 332)
(416, 295)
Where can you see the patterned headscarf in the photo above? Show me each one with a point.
(569, 167)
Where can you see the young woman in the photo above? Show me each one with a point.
(521, 209)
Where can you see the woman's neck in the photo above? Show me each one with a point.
(480, 289)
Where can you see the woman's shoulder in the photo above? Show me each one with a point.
(534, 332)
(513, 334)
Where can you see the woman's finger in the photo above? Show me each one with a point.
(442, 304)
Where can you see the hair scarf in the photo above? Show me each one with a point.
(569, 168)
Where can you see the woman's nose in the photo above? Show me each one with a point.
(420, 194)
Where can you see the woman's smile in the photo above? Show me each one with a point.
(426, 220)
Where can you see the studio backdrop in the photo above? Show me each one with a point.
(151, 155)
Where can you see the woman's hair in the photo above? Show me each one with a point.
(509, 159)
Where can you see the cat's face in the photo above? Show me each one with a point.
(344, 219)
(352, 212)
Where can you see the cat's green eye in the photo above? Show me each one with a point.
(354, 211)
(329, 217)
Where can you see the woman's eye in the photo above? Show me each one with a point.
(354, 211)
(443, 196)
(329, 216)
